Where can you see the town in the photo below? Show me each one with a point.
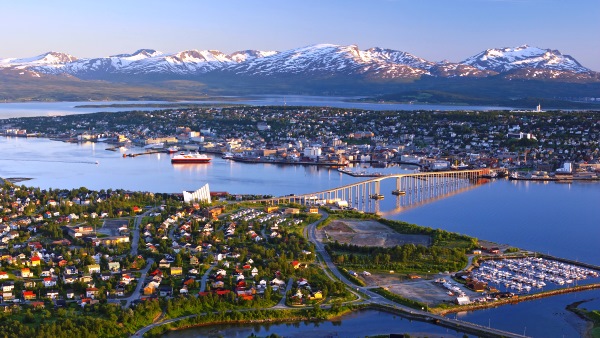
(130, 262)
(543, 142)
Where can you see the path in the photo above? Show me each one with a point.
(140, 283)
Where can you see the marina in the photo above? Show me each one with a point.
(525, 275)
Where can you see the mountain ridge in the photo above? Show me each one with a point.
(318, 59)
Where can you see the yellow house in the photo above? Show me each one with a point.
(271, 208)
(313, 210)
(35, 261)
(176, 271)
(316, 295)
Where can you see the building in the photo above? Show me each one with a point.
(200, 195)
(312, 152)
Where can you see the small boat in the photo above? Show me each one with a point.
(227, 156)
(398, 192)
(172, 149)
(377, 196)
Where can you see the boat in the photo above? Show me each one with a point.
(377, 196)
(398, 192)
(172, 149)
(190, 158)
(227, 156)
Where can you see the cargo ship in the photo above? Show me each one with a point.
(190, 158)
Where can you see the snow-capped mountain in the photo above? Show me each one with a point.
(318, 61)
(507, 59)
(47, 59)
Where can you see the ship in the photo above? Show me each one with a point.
(190, 158)
(172, 149)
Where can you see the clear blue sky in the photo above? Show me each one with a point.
(432, 29)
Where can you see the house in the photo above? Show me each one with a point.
(295, 264)
(28, 295)
(316, 295)
(176, 271)
(26, 273)
(194, 261)
(7, 296)
(126, 279)
(114, 266)
(165, 290)
(70, 294)
(150, 288)
(9, 286)
(93, 268)
(477, 286)
(49, 282)
(52, 294)
(91, 292)
(463, 300)
(47, 272)
(34, 261)
(292, 211)
(71, 270)
(105, 276)
(3, 275)
(164, 264)
(69, 279)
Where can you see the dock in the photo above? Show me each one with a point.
(144, 153)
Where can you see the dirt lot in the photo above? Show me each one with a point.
(422, 290)
(368, 233)
(111, 226)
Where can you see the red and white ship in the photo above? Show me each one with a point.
(190, 158)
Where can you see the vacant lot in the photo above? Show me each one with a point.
(111, 226)
(368, 233)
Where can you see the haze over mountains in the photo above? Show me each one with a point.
(315, 69)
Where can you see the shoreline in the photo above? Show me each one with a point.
(519, 299)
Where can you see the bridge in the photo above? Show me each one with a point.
(410, 189)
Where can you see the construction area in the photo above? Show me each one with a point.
(368, 233)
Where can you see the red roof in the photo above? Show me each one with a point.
(222, 292)
(35, 258)
(28, 293)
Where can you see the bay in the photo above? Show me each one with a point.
(357, 324)
(29, 109)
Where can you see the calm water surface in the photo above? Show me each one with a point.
(357, 324)
(26, 109)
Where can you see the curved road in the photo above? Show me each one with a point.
(379, 300)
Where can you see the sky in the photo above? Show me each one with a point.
(432, 29)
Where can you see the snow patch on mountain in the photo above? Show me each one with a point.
(507, 59)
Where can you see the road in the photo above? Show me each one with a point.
(135, 240)
(205, 277)
(140, 282)
(379, 300)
